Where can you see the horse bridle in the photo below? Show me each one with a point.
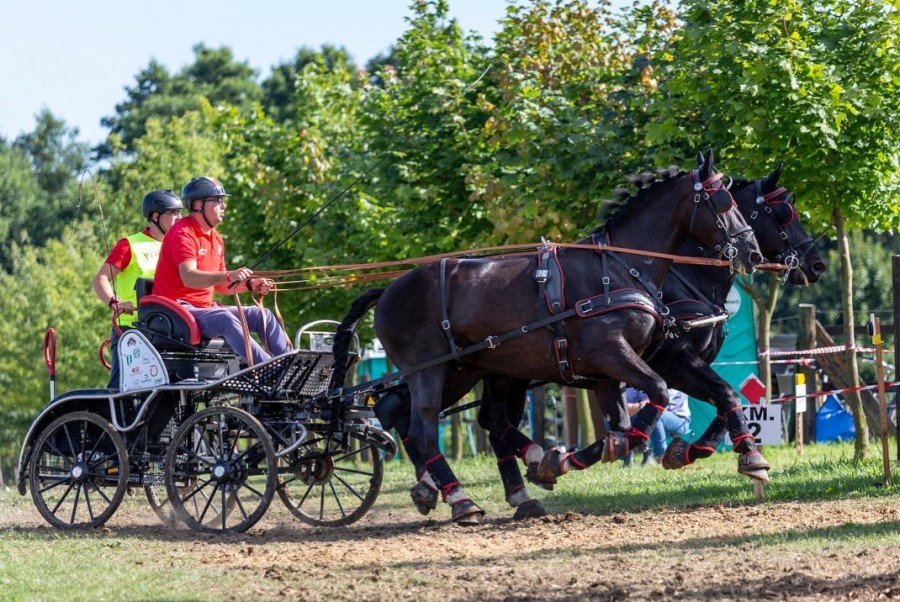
(719, 200)
(794, 255)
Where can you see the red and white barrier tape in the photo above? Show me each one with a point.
(817, 351)
(835, 391)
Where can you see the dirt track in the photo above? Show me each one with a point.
(769, 551)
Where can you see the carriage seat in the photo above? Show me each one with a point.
(170, 319)
(171, 328)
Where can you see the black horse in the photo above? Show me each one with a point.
(447, 325)
(694, 293)
(691, 293)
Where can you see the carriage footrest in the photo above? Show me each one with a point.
(300, 373)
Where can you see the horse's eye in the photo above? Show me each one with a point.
(721, 200)
(784, 212)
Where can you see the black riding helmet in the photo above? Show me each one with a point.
(160, 201)
(201, 188)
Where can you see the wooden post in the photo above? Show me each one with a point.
(570, 417)
(585, 421)
(807, 340)
(538, 434)
(895, 271)
(799, 410)
(875, 325)
(456, 434)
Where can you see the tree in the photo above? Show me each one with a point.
(214, 75)
(570, 87)
(38, 184)
(425, 119)
(46, 288)
(813, 84)
(278, 90)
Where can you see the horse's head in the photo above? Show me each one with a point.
(768, 209)
(715, 220)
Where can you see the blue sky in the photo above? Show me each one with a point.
(76, 58)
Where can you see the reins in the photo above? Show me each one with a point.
(320, 279)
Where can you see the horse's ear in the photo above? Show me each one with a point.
(706, 166)
(700, 159)
(772, 181)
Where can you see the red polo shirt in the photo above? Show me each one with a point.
(186, 240)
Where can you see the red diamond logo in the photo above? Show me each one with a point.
(753, 389)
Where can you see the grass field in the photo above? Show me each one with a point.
(135, 558)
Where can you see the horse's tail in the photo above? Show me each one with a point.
(344, 334)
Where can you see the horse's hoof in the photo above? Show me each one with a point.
(424, 498)
(466, 512)
(753, 465)
(676, 455)
(615, 447)
(529, 509)
(761, 475)
(752, 460)
(533, 476)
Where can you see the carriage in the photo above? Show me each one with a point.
(209, 440)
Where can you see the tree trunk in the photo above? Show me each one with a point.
(457, 434)
(861, 449)
(765, 308)
(585, 421)
(570, 418)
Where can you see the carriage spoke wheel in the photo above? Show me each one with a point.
(220, 470)
(331, 485)
(158, 498)
(78, 471)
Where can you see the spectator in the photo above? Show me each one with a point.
(676, 420)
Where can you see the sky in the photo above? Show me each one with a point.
(76, 58)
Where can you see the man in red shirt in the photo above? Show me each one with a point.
(192, 267)
(134, 257)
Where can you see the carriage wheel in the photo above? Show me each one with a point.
(159, 503)
(330, 486)
(220, 470)
(158, 498)
(78, 471)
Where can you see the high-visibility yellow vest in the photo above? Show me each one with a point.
(144, 255)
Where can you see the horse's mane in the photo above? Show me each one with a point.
(644, 182)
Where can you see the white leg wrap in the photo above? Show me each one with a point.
(518, 498)
(428, 481)
(533, 454)
(458, 494)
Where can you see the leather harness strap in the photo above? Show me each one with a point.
(445, 319)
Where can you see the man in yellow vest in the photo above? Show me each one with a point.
(134, 257)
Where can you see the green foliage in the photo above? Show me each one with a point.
(167, 156)
(425, 121)
(281, 172)
(279, 88)
(48, 287)
(872, 285)
(37, 188)
(812, 84)
(570, 86)
(214, 75)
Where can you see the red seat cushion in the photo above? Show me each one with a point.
(176, 308)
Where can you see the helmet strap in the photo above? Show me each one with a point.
(202, 211)
(157, 223)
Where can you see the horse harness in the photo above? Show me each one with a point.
(550, 278)
(782, 213)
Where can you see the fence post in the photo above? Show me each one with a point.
(570, 417)
(807, 340)
(895, 272)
